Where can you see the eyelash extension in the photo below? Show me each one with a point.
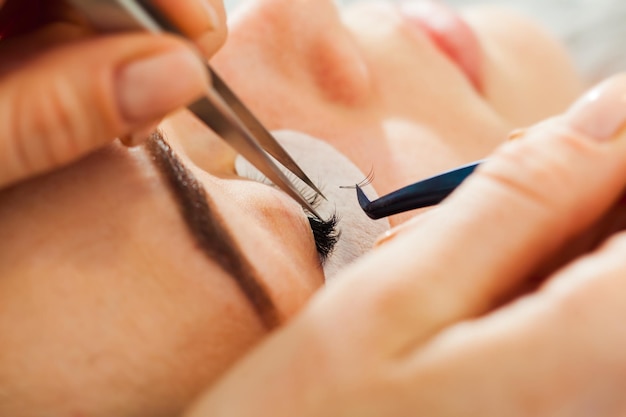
(326, 233)
(367, 181)
(309, 195)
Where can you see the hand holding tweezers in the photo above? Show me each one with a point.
(219, 109)
(425, 193)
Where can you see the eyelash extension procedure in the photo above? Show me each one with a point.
(326, 233)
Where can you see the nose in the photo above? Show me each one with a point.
(289, 12)
(304, 42)
(190, 137)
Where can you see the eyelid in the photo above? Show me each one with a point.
(313, 198)
(325, 232)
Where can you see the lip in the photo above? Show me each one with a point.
(449, 32)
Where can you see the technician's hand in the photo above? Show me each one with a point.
(65, 91)
(420, 327)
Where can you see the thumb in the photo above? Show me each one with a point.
(73, 100)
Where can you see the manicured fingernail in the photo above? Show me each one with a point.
(149, 88)
(601, 113)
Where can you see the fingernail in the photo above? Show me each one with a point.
(150, 88)
(601, 113)
(206, 40)
(210, 14)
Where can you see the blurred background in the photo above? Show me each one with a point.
(593, 30)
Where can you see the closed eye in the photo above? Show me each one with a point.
(326, 232)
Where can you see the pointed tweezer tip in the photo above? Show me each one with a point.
(313, 212)
(319, 192)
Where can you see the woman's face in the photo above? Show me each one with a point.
(405, 88)
(126, 287)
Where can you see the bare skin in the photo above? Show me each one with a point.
(100, 271)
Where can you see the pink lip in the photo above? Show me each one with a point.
(449, 33)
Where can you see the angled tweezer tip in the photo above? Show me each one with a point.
(425, 193)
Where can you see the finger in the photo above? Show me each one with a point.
(53, 23)
(19, 16)
(558, 352)
(75, 99)
(201, 20)
(515, 212)
(611, 222)
(16, 51)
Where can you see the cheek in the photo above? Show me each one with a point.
(523, 62)
(134, 321)
(149, 338)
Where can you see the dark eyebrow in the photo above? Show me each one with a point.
(203, 222)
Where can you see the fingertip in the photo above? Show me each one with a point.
(74, 99)
(210, 42)
(149, 87)
(601, 113)
(203, 21)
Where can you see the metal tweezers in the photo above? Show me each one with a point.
(425, 193)
(220, 109)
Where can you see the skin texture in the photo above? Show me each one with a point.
(430, 339)
(66, 92)
(100, 273)
(385, 94)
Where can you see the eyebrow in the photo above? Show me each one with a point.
(207, 228)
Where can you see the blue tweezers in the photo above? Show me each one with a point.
(425, 193)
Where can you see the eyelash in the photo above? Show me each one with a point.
(326, 233)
